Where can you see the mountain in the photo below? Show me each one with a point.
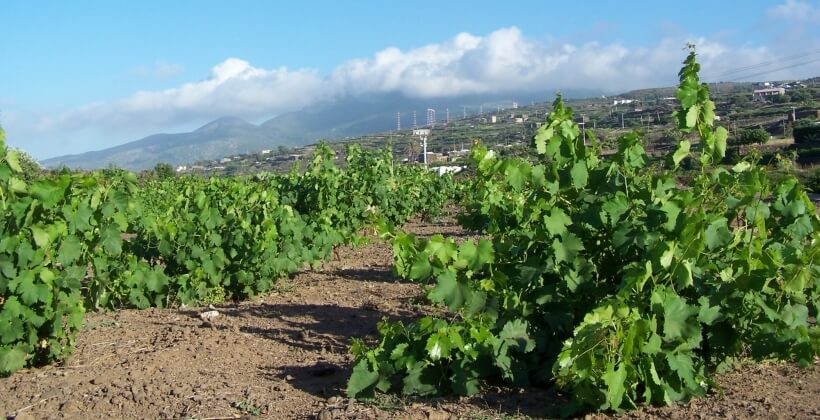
(331, 120)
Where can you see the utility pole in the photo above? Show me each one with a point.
(622, 120)
(423, 133)
(583, 131)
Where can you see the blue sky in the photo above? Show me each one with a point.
(77, 76)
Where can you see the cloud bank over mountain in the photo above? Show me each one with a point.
(505, 60)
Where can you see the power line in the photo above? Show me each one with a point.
(775, 70)
(765, 63)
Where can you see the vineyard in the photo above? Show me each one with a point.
(610, 280)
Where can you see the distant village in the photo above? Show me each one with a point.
(283, 158)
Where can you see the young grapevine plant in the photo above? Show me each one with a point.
(608, 277)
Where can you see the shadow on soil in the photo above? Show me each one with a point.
(327, 329)
(318, 329)
(371, 274)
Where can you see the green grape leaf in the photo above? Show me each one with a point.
(421, 268)
(474, 257)
(717, 234)
(12, 359)
(451, 292)
(41, 237)
(111, 240)
(13, 159)
(419, 381)
(677, 318)
(438, 346)
(795, 316)
(687, 97)
(708, 314)
(50, 191)
(465, 379)
(515, 335)
(692, 115)
(557, 221)
(580, 174)
(17, 185)
(709, 112)
(567, 248)
(683, 365)
(741, 167)
(517, 174)
(155, 281)
(543, 136)
(362, 380)
(682, 275)
(681, 152)
(70, 250)
(614, 380)
(721, 137)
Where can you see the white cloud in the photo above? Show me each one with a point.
(234, 87)
(502, 61)
(796, 10)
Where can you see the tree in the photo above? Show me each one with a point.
(751, 136)
(164, 170)
(31, 168)
(800, 95)
(740, 100)
(779, 99)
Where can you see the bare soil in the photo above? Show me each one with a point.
(285, 355)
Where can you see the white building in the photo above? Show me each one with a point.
(762, 93)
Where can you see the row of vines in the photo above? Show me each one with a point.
(75, 242)
(609, 279)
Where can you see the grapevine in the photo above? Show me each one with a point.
(606, 277)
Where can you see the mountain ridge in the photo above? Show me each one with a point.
(229, 135)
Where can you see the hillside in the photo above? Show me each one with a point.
(334, 120)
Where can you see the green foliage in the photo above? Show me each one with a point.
(55, 230)
(164, 170)
(605, 277)
(29, 167)
(69, 242)
(751, 136)
(800, 95)
(807, 134)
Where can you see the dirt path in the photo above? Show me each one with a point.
(286, 356)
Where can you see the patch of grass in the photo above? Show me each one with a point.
(284, 286)
(386, 402)
(247, 407)
(105, 323)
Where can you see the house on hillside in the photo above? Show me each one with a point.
(766, 92)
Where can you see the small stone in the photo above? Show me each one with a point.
(69, 407)
(438, 415)
(324, 415)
